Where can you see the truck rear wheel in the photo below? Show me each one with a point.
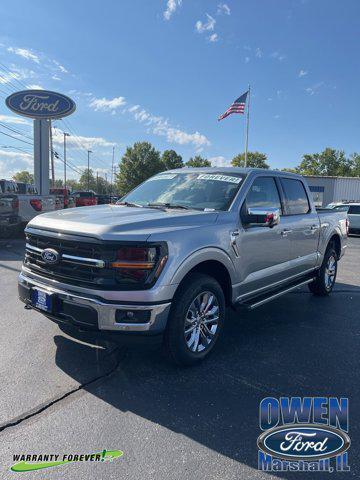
(326, 276)
(196, 319)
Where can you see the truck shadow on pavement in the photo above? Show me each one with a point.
(299, 345)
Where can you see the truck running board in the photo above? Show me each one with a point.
(255, 302)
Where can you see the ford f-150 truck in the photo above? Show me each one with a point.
(166, 261)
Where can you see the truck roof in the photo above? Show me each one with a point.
(229, 170)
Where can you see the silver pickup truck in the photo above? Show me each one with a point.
(166, 261)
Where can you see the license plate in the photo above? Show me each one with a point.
(41, 300)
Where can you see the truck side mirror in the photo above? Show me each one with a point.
(263, 217)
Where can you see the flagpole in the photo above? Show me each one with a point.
(247, 128)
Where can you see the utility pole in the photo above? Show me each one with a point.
(65, 135)
(52, 158)
(88, 170)
(247, 128)
(97, 181)
(112, 171)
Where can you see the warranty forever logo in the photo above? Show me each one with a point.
(31, 462)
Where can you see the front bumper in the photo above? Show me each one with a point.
(87, 312)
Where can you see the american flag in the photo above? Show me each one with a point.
(237, 107)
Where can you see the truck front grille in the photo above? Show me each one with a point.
(81, 263)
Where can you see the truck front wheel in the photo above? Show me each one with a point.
(326, 276)
(196, 319)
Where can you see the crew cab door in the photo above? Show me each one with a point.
(303, 224)
(263, 252)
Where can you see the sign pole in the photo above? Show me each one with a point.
(41, 155)
(247, 128)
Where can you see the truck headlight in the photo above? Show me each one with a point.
(139, 264)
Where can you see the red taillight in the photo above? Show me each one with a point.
(15, 204)
(66, 202)
(36, 203)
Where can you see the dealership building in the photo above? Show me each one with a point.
(327, 190)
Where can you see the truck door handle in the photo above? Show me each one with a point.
(313, 228)
(285, 232)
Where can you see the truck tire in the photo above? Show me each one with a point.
(195, 321)
(326, 276)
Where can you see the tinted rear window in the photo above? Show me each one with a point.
(295, 195)
(354, 209)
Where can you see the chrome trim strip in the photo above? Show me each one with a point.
(83, 260)
(30, 247)
(106, 312)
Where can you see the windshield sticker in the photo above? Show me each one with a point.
(219, 178)
(165, 176)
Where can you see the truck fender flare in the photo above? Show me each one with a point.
(203, 255)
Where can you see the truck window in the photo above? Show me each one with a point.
(296, 198)
(263, 193)
(354, 210)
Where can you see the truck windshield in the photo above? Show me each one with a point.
(200, 190)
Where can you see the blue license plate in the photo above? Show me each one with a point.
(41, 300)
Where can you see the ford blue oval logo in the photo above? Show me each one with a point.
(40, 104)
(50, 256)
(303, 442)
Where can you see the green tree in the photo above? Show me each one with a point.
(198, 161)
(87, 180)
(139, 162)
(254, 160)
(171, 159)
(23, 176)
(72, 185)
(330, 162)
(355, 164)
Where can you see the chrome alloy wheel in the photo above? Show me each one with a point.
(202, 321)
(330, 272)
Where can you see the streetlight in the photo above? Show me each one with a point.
(88, 170)
(65, 135)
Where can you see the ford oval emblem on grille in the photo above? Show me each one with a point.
(50, 256)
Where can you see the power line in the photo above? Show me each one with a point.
(16, 138)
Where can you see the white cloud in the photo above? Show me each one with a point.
(12, 162)
(171, 6)
(60, 67)
(35, 86)
(278, 56)
(160, 126)
(219, 161)
(314, 88)
(105, 104)
(56, 77)
(25, 53)
(213, 37)
(208, 25)
(14, 120)
(247, 59)
(258, 53)
(302, 73)
(80, 142)
(223, 8)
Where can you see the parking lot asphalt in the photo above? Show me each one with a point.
(65, 395)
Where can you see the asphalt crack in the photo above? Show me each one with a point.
(119, 355)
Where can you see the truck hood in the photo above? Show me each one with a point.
(117, 222)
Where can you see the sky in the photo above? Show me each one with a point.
(164, 70)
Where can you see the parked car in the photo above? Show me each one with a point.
(9, 214)
(164, 262)
(67, 198)
(353, 211)
(84, 199)
(29, 204)
(26, 188)
(103, 199)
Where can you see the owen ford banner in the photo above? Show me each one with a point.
(40, 104)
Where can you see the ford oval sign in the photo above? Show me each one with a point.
(50, 256)
(303, 442)
(40, 104)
